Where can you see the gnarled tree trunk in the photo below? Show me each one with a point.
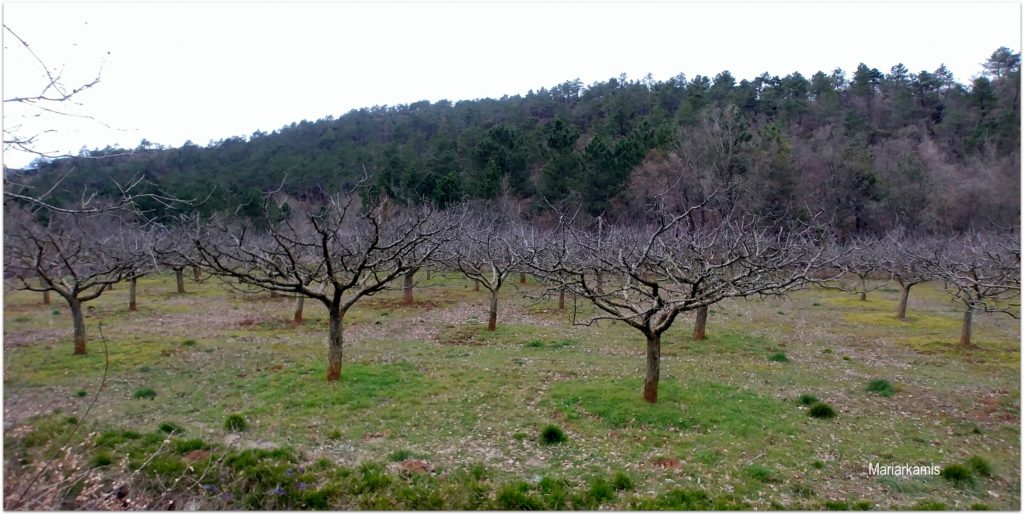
(79, 322)
(492, 315)
(522, 277)
(653, 368)
(299, 302)
(561, 299)
(195, 273)
(407, 286)
(46, 298)
(476, 285)
(336, 339)
(901, 310)
(863, 289)
(132, 288)
(701, 323)
(965, 332)
(179, 275)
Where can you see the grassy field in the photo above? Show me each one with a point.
(435, 412)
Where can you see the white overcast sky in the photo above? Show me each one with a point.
(173, 72)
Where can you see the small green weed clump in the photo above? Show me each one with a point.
(552, 434)
(188, 343)
(102, 458)
(187, 446)
(778, 357)
(81, 393)
(170, 428)
(807, 399)
(235, 423)
(400, 455)
(957, 474)
(622, 482)
(144, 393)
(980, 466)
(821, 410)
(881, 387)
(761, 473)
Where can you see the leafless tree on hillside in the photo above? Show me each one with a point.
(660, 270)
(78, 257)
(337, 255)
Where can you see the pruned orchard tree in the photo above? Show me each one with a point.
(336, 255)
(78, 257)
(862, 258)
(982, 271)
(898, 256)
(657, 271)
(490, 247)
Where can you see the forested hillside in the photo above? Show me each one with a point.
(875, 149)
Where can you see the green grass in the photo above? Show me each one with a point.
(682, 406)
(730, 428)
(881, 387)
(144, 393)
(235, 423)
(821, 410)
(552, 434)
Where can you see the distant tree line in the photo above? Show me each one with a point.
(876, 150)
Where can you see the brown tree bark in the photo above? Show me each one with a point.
(195, 273)
(407, 287)
(46, 298)
(79, 322)
(522, 277)
(863, 289)
(653, 368)
(492, 315)
(700, 324)
(179, 275)
(336, 339)
(901, 310)
(965, 332)
(561, 299)
(299, 302)
(476, 285)
(132, 288)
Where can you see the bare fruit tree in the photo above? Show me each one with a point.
(861, 259)
(491, 246)
(982, 271)
(655, 272)
(898, 256)
(336, 255)
(77, 257)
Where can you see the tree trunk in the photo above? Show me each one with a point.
(863, 289)
(407, 287)
(195, 273)
(299, 302)
(335, 343)
(179, 275)
(561, 299)
(965, 333)
(701, 323)
(653, 368)
(46, 298)
(901, 310)
(600, 282)
(79, 321)
(476, 285)
(492, 316)
(132, 287)
(522, 277)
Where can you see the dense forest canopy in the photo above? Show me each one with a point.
(875, 149)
